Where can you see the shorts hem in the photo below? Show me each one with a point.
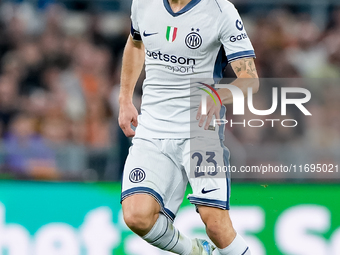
(224, 205)
(151, 192)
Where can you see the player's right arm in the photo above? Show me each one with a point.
(133, 61)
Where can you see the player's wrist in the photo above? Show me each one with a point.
(225, 95)
(125, 100)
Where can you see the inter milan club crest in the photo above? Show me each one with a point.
(193, 40)
(171, 33)
(137, 175)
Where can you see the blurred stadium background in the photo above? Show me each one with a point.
(62, 152)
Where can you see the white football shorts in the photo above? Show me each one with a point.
(163, 167)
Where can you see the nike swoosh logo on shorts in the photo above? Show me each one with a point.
(146, 35)
(207, 191)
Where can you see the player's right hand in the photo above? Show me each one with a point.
(212, 109)
(127, 114)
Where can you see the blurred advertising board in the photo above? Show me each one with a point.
(38, 218)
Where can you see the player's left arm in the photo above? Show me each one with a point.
(247, 77)
(240, 54)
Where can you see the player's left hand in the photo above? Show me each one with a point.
(212, 109)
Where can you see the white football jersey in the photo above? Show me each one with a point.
(196, 42)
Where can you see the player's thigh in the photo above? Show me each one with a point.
(206, 164)
(149, 171)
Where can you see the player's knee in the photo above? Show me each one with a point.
(140, 213)
(139, 220)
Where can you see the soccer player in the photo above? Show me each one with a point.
(179, 40)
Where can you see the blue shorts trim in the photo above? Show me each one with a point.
(151, 192)
(210, 202)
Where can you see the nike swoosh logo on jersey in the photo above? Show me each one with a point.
(146, 35)
(207, 191)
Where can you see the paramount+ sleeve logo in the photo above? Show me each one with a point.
(239, 105)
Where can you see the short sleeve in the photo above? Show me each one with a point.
(233, 35)
(134, 22)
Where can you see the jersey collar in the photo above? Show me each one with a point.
(186, 8)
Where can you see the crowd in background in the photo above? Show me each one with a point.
(59, 84)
